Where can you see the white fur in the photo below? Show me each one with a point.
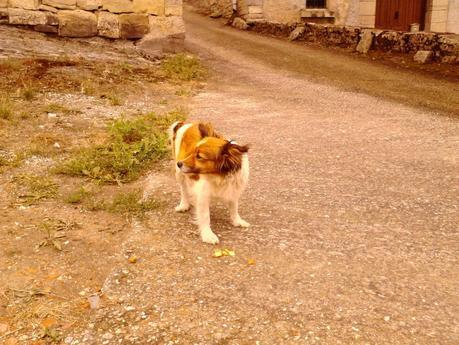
(200, 192)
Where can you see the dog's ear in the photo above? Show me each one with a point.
(207, 130)
(230, 158)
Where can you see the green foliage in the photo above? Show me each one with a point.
(34, 188)
(133, 145)
(182, 67)
(131, 204)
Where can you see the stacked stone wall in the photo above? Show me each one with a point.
(444, 47)
(126, 19)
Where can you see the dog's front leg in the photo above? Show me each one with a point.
(236, 219)
(203, 215)
(184, 197)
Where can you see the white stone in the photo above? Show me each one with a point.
(423, 56)
(25, 4)
(62, 4)
(366, 40)
(240, 23)
(118, 6)
(108, 25)
(26, 17)
(89, 5)
(296, 33)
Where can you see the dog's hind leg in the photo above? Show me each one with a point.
(236, 219)
(184, 196)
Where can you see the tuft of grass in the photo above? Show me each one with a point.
(77, 196)
(182, 67)
(34, 188)
(6, 109)
(131, 204)
(55, 230)
(132, 146)
(114, 99)
(88, 88)
(28, 93)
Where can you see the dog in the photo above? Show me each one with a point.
(208, 166)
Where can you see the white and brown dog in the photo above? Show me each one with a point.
(208, 166)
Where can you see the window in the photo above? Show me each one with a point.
(316, 4)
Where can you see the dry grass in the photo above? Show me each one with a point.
(31, 189)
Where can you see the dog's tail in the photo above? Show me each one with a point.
(173, 133)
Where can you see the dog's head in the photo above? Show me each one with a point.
(213, 156)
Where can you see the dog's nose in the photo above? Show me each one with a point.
(179, 164)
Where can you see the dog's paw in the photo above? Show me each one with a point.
(182, 207)
(240, 223)
(208, 236)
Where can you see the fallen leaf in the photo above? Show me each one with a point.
(250, 262)
(223, 252)
(133, 259)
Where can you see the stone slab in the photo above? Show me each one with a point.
(19, 16)
(61, 4)
(423, 56)
(366, 41)
(77, 23)
(149, 6)
(118, 6)
(134, 25)
(108, 25)
(24, 4)
(89, 5)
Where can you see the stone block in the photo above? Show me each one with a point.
(423, 56)
(61, 4)
(366, 40)
(77, 23)
(24, 4)
(149, 6)
(240, 23)
(134, 25)
(47, 8)
(49, 29)
(118, 6)
(4, 16)
(3, 3)
(19, 16)
(295, 34)
(52, 19)
(173, 8)
(167, 35)
(89, 5)
(255, 10)
(108, 25)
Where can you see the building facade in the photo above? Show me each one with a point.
(403, 15)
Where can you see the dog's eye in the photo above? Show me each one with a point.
(198, 156)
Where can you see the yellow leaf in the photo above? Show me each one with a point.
(223, 252)
(250, 262)
(132, 259)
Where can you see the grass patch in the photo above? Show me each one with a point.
(77, 196)
(6, 109)
(131, 204)
(55, 230)
(114, 99)
(34, 188)
(182, 67)
(132, 146)
(28, 93)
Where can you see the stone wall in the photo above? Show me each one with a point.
(444, 47)
(126, 19)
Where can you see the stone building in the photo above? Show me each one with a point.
(158, 23)
(429, 15)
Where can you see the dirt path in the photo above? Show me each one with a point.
(354, 212)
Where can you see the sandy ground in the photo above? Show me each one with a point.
(353, 206)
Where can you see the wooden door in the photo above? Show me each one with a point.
(399, 14)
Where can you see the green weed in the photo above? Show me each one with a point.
(132, 146)
(28, 93)
(6, 109)
(77, 196)
(34, 188)
(131, 204)
(182, 67)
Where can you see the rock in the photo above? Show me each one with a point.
(167, 35)
(3, 328)
(423, 56)
(216, 14)
(62, 4)
(149, 6)
(449, 59)
(173, 8)
(3, 3)
(77, 23)
(94, 301)
(24, 4)
(240, 23)
(89, 5)
(118, 6)
(295, 34)
(49, 29)
(366, 40)
(48, 8)
(133, 25)
(108, 25)
(26, 17)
